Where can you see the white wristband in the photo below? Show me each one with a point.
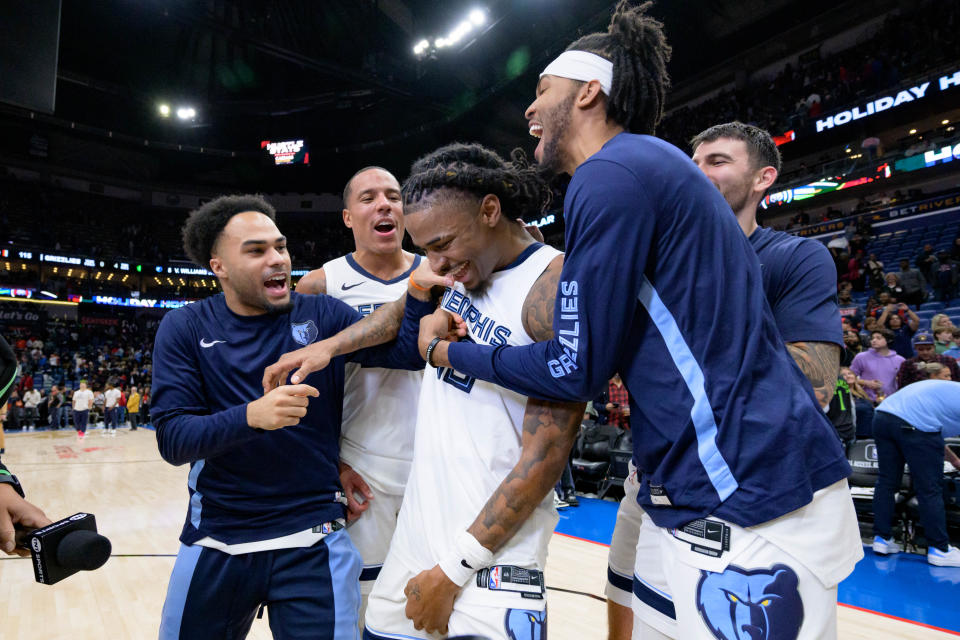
(468, 557)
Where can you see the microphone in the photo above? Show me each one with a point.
(61, 549)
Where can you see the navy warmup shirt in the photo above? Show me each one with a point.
(659, 284)
(248, 485)
(800, 281)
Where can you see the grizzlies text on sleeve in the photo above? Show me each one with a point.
(660, 285)
(246, 485)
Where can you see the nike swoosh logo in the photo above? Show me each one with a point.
(207, 345)
(344, 287)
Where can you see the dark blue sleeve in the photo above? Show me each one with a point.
(186, 430)
(610, 225)
(806, 309)
(403, 352)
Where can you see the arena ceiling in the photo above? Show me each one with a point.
(341, 74)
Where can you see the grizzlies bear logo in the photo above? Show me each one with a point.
(761, 604)
(522, 624)
(304, 332)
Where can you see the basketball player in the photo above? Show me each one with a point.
(741, 471)
(477, 450)
(264, 524)
(379, 405)
(799, 280)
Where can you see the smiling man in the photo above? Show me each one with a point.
(379, 405)
(741, 472)
(265, 519)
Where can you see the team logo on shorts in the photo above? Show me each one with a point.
(762, 604)
(523, 624)
(304, 332)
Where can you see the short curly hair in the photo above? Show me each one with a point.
(204, 225)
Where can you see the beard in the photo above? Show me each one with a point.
(554, 158)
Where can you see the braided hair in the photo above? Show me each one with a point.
(474, 171)
(637, 47)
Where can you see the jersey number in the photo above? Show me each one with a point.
(458, 380)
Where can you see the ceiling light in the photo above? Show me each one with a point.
(912, 131)
(944, 121)
(186, 113)
(477, 17)
(164, 110)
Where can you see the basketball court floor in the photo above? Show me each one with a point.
(140, 500)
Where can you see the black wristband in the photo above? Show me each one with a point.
(7, 478)
(433, 345)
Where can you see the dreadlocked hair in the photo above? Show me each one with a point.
(474, 170)
(637, 47)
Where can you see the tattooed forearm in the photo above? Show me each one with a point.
(377, 328)
(820, 362)
(549, 431)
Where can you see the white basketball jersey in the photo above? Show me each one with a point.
(379, 405)
(469, 435)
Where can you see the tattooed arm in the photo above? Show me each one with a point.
(820, 362)
(549, 431)
(378, 328)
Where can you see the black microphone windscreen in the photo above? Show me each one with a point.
(83, 550)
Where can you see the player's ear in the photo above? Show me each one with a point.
(765, 178)
(216, 265)
(347, 219)
(588, 94)
(490, 210)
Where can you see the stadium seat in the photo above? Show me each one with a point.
(619, 468)
(592, 453)
(931, 306)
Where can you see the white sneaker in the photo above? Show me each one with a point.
(948, 558)
(885, 547)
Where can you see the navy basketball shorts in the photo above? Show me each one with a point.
(309, 592)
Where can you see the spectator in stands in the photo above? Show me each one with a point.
(911, 372)
(870, 325)
(954, 351)
(133, 408)
(618, 403)
(877, 367)
(874, 267)
(941, 321)
(892, 286)
(943, 339)
(913, 283)
(909, 427)
(863, 406)
(955, 249)
(924, 261)
(945, 276)
(848, 270)
(851, 347)
(849, 310)
(903, 323)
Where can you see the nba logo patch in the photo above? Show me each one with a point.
(304, 332)
(494, 577)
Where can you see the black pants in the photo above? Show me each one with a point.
(898, 442)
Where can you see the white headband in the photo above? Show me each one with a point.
(583, 66)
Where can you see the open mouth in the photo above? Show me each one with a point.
(536, 129)
(276, 285)
(385, 227)
(459, 272)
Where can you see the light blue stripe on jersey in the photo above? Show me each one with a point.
(701, 413)
(345, 565)
(183, 568)
(195, 500)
